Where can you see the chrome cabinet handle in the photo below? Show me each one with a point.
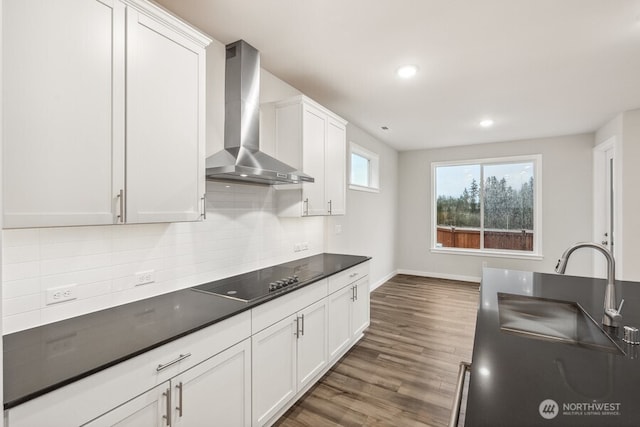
(168, 407)
(306, 206)
(297, 332)
(352, 275)
(302, 317)
(330, 207)
(355, 288)
(173, 362)
(121, 197)
(353, 293)
(179, 407)
(204, 206)
(455, 411)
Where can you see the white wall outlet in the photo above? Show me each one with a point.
(305, 246)
(145, 277)
(296, 247)
(61, 294)
(338, 228)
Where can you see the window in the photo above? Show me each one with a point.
(364, 166)
(488, 206)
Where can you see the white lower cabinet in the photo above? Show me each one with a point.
(348, 316)
(214, 392)
(144, 410)
(286, 357)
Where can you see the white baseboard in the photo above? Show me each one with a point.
(473, 279)
(382, 281)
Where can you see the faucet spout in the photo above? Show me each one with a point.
(612, 316)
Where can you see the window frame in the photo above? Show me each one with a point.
(374, 168)
(536, 253)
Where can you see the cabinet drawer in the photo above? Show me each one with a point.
(344, 278)
(269, 313)
(90, 397)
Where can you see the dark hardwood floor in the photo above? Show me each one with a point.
(403, 372)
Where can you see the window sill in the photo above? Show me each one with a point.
(488, 253)
(362, 188)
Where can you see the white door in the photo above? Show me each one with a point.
(340, 330)
(360, 313)
(604, 208)
(164, 139)
(63, 65)
(273, 368)
(314, 129)
(312, 342)
(147, 410)
(335, 167)
(215, 392)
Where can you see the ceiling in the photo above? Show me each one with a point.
(536, 67)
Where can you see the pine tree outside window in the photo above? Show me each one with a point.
(488, 206)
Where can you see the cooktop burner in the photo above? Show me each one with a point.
(259, 284)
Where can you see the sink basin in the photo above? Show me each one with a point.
(552, 320)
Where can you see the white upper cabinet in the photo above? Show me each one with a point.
(63, 107)
(313, 139)
(165, 122)
(88, 102)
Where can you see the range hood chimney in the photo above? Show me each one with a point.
(241, 159)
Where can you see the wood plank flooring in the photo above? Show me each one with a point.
(403, 372)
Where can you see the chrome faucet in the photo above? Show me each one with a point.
(612, 315)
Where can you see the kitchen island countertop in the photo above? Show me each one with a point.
(517, 381)
(45, 358)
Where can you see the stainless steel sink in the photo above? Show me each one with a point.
(552, 320)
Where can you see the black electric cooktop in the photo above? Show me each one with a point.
(253, 286)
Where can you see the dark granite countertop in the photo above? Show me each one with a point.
(512, 375)
(42, 359)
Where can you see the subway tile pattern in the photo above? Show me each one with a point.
(241, 233)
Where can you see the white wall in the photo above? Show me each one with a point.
(369, 226)
(1, 210)
(626, 129)
(241, 233)
(566, 203)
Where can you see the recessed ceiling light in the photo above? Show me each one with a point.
(407, 71)
(486, 123)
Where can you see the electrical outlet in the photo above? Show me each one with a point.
(145, 277)
(61, 294)
(338, 229)
(305, 246)
(296, 247)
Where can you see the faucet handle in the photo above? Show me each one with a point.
(619, 310)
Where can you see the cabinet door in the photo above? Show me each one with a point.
(312, 342)
(360, 312)
(165, 123)
(340, 329)
(146, 410)
(63, 64)
(335, 167)
(314, 129)
(273, 369)
(217, 391)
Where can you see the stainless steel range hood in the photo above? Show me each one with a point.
(241, 159)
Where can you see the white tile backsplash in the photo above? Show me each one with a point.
(241, 233)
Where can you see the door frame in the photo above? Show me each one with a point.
(601, 205)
